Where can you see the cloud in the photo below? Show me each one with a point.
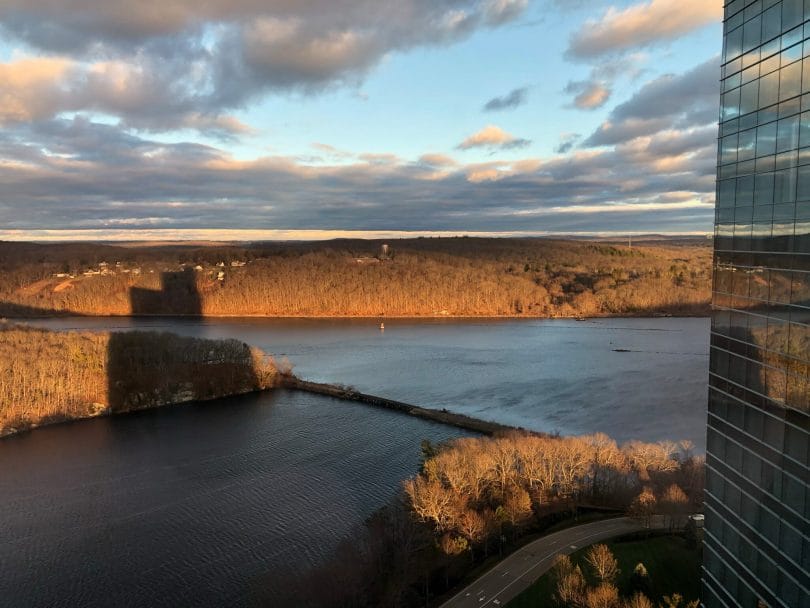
(77, 174)
(588, 95)
(332, 151)
(437, 160)
(567, 142)
(181, 64)
(642, 25)
(493, 137)
(513, 99)
(27, 88)
(595, 90)
(673, 100)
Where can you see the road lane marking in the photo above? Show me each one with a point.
(626, 524)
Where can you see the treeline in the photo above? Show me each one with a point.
(416, 277)
(48, 376)
(475, 496)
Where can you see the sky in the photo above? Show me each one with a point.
(317, 118)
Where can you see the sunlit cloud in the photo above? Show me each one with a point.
(588, 95)
(493, 137)
(643, 24)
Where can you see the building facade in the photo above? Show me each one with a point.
(757, 545)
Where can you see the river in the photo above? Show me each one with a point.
(225, 503)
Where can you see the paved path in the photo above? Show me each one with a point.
(526, 565)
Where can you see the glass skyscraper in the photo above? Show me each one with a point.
(757, 550)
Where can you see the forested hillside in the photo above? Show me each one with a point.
(48, 376)
(415, 277)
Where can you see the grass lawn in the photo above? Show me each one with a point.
(672, 568)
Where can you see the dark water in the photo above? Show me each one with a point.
(216, 504)
(224, 503)
(548, 375)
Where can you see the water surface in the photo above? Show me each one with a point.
(548, 375)
(218, 504)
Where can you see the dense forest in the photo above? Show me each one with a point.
(48, 376)
(475, 497)
(414, 277)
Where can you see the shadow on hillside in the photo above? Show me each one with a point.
(20, 311)
(178, 295)
(145, 369)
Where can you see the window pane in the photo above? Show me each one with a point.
(751, 33)
(731, 104)
(748, 97)
(728, 149)
(787, 137)
(769, 89)
(745, 190)
(771, 23)
(790, 81)
(763, 193)
(803, 187)
(734, 43)
(747, 144)
(725, 193)
(792, 13)
(766, 139)
(804, 131)
(784, 186)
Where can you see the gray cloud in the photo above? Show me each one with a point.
(567, 142)
(513, 99)
(80, 174)
(681, 101)
(588, 94)
(183, 64)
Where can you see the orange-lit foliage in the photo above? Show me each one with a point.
(423, 277)
(50, 376)
(473, 486)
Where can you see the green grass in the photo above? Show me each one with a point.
(671, 565)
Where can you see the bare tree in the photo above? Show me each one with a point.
(675, 504)
(571, 589)
(603, 562)
(431, 502)
(643, 506)
(603, 596)
(638, 600)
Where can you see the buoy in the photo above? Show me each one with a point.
(382, 326)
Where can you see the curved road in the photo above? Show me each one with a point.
(515, 573)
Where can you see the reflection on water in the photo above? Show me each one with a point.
(549, 375)
(216, 504)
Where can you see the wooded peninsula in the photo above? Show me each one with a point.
(423, 277)
(50, 376)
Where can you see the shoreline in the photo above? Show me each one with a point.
(107, 413)
(78, 315)
(440, 416)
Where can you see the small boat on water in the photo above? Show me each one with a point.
(382, 326)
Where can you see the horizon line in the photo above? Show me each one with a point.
(242, 235)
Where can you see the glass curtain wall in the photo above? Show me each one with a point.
(757, 550)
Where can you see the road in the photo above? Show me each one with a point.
(515, 573)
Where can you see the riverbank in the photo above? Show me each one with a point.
(699, 312)
(410, 278)
(48, 377)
